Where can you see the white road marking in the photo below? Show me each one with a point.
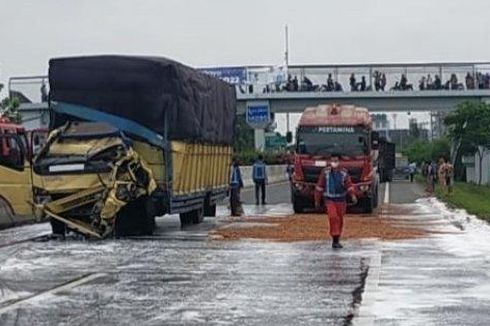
(365, 316)
(387, 194)
(43, 295)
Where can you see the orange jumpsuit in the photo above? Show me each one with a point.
(334, 194)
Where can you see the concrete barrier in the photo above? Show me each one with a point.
(275, 173)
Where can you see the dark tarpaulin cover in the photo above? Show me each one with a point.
(200, 108)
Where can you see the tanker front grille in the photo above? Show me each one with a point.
(312, 173)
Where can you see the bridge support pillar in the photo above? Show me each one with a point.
(259, 137)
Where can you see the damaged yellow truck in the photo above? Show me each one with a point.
(132, 138)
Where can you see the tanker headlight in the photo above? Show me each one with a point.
(364, 188)
(298, 186)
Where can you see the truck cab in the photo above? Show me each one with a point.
(328, 129)
(16, 151)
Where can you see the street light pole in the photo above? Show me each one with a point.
(286, 62)
(286, 44)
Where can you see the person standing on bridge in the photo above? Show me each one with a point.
(333, 186)
(259, 176)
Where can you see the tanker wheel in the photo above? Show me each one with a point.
(367, 205)
(376, 198)
(298, 205)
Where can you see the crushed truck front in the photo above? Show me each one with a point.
(87, 173)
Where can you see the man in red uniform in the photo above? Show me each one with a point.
(333, 186)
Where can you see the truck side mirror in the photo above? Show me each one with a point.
(289, 137)
(375, 140)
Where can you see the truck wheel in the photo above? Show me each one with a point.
(197, 216)
(57, 227)
(193, 217)
(185, 219)
(298, 205)
(136, 218)
(209, 209)
(148, 218)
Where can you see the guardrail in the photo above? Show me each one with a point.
(275, 173)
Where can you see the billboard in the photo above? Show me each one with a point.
(232, 75)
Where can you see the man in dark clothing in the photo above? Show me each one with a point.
(308, 84)
(437, 82)
(333, 186)
(383, 81)
(353, 84)
(330, 83)
(259, 176)
(295, 84)
(362, 84)
(236, 184)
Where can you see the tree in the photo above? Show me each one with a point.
(244, 136)
(423, 150)
(9, 108)
(418, 151)
(468, 128)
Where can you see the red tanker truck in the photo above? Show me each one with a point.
(328, 129)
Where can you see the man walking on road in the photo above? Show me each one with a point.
(333, 186)
(259, 176)
(236, 184)
(413, 168)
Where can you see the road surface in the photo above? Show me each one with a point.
(182, 277)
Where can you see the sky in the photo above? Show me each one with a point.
(231, 32)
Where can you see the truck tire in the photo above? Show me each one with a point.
(148, 219)
(209, 209)
(185, 219)
(197, 216)
(136, 218)
(57, 227)
(298, 205)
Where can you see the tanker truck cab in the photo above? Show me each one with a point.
(325, 130)
(16, 193)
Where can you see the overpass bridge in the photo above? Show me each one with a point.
(458, 81)
(362, 85)
(388, 101)
(404, 87)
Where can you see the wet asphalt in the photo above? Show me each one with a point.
(183, 277)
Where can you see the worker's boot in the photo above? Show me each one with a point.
(336, 243)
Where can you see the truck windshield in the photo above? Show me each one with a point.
(349, 141)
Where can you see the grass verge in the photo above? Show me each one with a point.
(473, 198)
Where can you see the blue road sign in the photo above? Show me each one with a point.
(258, 115)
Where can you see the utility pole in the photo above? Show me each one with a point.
(286, 62)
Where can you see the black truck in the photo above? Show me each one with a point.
(386, 160)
